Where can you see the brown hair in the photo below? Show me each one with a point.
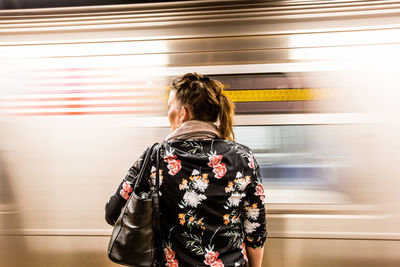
(205, 100)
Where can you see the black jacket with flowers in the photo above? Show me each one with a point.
(211, 201)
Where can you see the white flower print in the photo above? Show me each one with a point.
(153, 176)
(200, 184)
(242, 183)
(250, 227)
(235, 198)
(252, 211)
(193, 199)
(236, 189)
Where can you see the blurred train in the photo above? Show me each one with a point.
(315, 86)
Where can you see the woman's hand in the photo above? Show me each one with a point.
(255, 256)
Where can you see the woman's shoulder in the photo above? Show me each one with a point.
(235, 145)
(207, 146)
(152, 150)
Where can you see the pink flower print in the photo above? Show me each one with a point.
(212, 259)
(172, 263)
(126, 186)
(219, 170)
(214, 160)
(251, 161)
(244, 251)
(124, 194)
(170, 257)
(169, 253)
(217, 263)
(169, 157)
(126, 189)
(260, 192)
(174, 166)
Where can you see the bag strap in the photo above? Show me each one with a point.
(157, 172)
(143, 168)
(157, 193)
(156, 202)
(156, 213)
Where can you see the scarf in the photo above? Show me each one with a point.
(195, 129)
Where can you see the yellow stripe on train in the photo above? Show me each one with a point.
(279, 95)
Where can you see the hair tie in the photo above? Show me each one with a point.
(204, 79)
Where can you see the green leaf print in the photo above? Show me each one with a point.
(227, 206)
(195, 244)
(183, 204)
(197, 148)
(235, 238)
(240, 149)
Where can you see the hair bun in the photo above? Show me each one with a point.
(204, 79)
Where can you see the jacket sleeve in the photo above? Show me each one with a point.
(118, 200)
(254, 211)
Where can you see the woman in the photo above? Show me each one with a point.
(212, 211)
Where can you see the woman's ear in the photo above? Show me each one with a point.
(184, 114)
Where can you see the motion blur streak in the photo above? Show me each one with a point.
(315, 86)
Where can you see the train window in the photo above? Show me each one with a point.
(295, 156)
(299, 163)
(262, 93)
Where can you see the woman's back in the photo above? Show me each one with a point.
(210, 196)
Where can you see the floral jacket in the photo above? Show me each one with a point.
(212, 201)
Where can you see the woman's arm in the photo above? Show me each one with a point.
(255, 256)
(118, 200)
(254, 220)
(113, 208)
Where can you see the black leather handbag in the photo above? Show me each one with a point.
(136, 238)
